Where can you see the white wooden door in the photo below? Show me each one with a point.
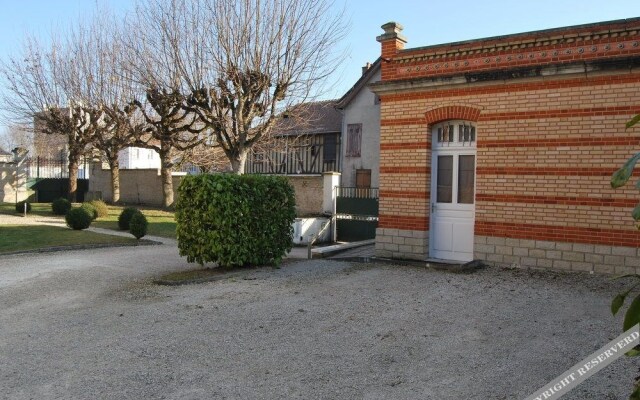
(452, 211)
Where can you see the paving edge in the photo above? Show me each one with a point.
(142, 242)
(328, 251)
(466, 268)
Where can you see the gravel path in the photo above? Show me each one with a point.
(30, 219)
(89, 324)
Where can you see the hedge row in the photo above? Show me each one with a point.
(235, 220)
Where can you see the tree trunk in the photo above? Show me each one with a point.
(166, 166)
(73, 177)
(238, 162)
(115, 180)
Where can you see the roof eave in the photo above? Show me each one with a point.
(360, 83)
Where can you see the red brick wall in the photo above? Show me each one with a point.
(546, 151)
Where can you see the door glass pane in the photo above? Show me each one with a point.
(466, 178)
(445, 179)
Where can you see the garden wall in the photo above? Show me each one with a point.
(144, 186)
(13, 182)
(309, 189)
(137, 186)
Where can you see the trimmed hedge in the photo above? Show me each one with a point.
(125, 217)
(90, 209)
(138, 225)
(235, 220)
(101, 208)
(61, 206)
(78, 218)
(20, 207)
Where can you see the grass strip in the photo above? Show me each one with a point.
(17, 238)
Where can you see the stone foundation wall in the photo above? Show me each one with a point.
(402, 244)
(557, 255)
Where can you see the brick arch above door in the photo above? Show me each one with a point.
(453, 111)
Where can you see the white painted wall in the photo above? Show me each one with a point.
(362, 110)
(138, 158)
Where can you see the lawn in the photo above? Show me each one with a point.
(43, 209)
(161, 223)
(15, 238)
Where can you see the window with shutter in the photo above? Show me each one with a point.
(363, 178)
(354, 140)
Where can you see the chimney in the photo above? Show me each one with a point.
(366, 68)
(391, 40)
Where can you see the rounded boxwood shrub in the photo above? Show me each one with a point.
(20, 206)
(61, 206)
(78, 218)
(235, 219)
(101, 208)
(125, 217)
(138, 225)
(90, 209)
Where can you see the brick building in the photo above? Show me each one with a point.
(502, 148)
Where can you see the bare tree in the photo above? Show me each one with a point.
(96, 77)
(169, 129)
(37, 95)
(172, 127)
(206, 157)
(18, 136)
(241, 62)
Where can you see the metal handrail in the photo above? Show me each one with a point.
(317, 235)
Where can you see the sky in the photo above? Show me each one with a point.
(426, 22)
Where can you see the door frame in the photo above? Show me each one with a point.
(455, 149)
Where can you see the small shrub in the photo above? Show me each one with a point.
(125, 217)
(90, 209)
(61, 206)
(235, 220)
(20, 206)
(78, 218)
(101, 208)
(138, 225)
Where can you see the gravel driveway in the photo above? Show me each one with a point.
(90, 325)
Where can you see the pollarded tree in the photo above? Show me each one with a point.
(36, 94)
(242, 62)
(97, 78)
(170, 128)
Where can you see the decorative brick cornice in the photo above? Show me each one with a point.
(444, 113)
(616, 39)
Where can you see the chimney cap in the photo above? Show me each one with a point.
(392, 31)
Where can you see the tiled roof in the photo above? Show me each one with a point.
(316, 117)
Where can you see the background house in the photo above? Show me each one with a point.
(502, 148)
(305, 140)
(138, 158)
(360, 108)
